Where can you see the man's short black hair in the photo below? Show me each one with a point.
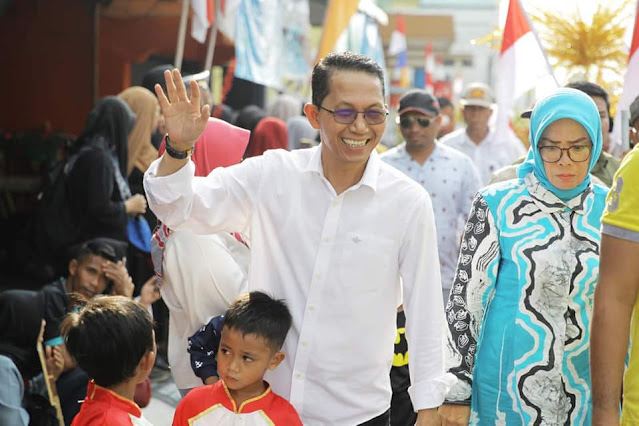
(258, 313)
(95, 248)
(591, 89)
(341, 61)
(108, 337)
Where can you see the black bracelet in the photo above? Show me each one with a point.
(180, 155)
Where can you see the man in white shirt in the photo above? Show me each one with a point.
(478, 140)
(332, 230)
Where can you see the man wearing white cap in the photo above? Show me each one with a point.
(478, 140)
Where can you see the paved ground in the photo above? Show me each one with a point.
(164, 400)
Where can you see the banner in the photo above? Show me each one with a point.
(259, 40)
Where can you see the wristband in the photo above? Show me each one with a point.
(180, 155)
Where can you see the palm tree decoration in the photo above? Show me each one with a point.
(595, 51)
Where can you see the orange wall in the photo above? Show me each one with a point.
(47, 59)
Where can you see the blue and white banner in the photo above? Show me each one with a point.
(259, 41)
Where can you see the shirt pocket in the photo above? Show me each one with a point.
(369, 263)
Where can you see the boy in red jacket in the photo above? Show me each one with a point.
(112, 339)
(254, 330)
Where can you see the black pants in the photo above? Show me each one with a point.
(381, 420)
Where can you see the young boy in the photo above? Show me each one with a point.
(253, 333)
(111, 338)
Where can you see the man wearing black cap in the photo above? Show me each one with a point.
(452, 180)
(449, 176)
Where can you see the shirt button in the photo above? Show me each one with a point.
(304, 343)
(335, 203)
(318, 275)
(298, 375)
(327, 240)
(311, 307)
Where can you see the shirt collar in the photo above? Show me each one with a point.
(315, 162)
(404, 155)
(244, 407)
(99, 393)
(550, 203)
(485, 142)
(369, 178)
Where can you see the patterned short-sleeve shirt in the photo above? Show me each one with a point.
(451, 179)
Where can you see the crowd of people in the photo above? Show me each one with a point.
(292, 267)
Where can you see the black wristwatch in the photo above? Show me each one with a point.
(180, 155)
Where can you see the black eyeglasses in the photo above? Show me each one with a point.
(408, 121)
(348, 115)
(577, 153)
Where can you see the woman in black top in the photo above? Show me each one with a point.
(101, 200)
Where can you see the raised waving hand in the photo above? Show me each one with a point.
(183, 118)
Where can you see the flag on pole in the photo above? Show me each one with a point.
(429, 69)
(522, 66)
(397, 47)
(630, 86)
(202, 18)
(259, 42)
(338, 15)
(226, 21)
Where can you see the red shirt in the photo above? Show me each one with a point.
(105, 407)
(213, 404)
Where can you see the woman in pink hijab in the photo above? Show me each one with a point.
(200, 275)
(270, 133)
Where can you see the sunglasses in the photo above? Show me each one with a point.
(347, 116)
(407, 122)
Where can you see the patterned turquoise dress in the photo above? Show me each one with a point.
(520, 308)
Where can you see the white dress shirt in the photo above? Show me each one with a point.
(490, 154)
(336, 260)
(452, 180)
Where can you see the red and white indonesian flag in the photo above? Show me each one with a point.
(429, 68)
(397, 47)
(630, 85)
(522, 65)
(227, 14)
(202, 18)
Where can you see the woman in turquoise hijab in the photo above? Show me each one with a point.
(520, 307)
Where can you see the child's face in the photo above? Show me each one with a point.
(242, 361)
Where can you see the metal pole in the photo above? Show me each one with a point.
(96, 52)
(179, 51)
(212, 40)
